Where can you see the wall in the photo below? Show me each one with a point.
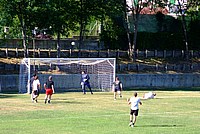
(11, 82)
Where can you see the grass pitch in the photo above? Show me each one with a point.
(172, 112)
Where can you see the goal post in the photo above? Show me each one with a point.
(66, 72)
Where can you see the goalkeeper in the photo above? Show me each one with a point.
(85, 82)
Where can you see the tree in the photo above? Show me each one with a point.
(19, 9)
(110, 14)
(136, 7)
(61, 18)
(133, 7)
(185, 9)
(44, 14)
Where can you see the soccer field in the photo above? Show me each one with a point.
(171, 112)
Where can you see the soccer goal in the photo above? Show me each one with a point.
(66, 72)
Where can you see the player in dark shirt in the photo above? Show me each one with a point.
(85, 82)
(49, 87)
(117, 87)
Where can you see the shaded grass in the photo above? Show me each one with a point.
(174, 112)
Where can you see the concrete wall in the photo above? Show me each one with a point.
(11, 82)
(160, 80)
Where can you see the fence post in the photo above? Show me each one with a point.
(49, 53)
(182, 53)
(137, 53)
(166, 68)
(156, 66)
(155, 53)
(117, 54)
(98, 53)
(17, 53)
(79, 53)
(108, 51)
(138, 67)
(70, 52)
(27, 52)
(7, 52)
(39, 52)
(164, 53)
(191, 67)
(192, 53)
(173, 53)
(146, 53)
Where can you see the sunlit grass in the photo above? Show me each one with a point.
(172, 112)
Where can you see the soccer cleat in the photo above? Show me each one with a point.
(49, 101)
(45, 101)
(131, 124)
(36, 101)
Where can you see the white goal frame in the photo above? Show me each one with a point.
(100, 70)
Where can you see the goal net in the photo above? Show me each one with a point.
(66, 72)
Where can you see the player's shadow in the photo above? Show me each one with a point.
(65, 101)
(6, 96)
(161, 126)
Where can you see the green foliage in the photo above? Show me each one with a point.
(194, 34)
(66, 17)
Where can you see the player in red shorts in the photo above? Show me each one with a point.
(49, 87)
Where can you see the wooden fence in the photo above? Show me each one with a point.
(37, 53)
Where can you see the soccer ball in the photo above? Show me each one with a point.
(72, 43)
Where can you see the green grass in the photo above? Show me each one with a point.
(172, 112)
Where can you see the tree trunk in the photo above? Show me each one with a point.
(184, 30)
(136, 19)
(24, 40)
(130, 51)
(58, 45)
(81, 27)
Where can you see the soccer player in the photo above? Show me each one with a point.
(117, 87)
(134, 102)
(149, 95)
(36, 88)
(85, 82)
(31, 82)
(49, 87)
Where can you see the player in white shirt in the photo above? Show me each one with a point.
(36, 88)
(134, 102)
(149, 95)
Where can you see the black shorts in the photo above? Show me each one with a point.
(36, 92)
(117, 90)
(135, 112)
